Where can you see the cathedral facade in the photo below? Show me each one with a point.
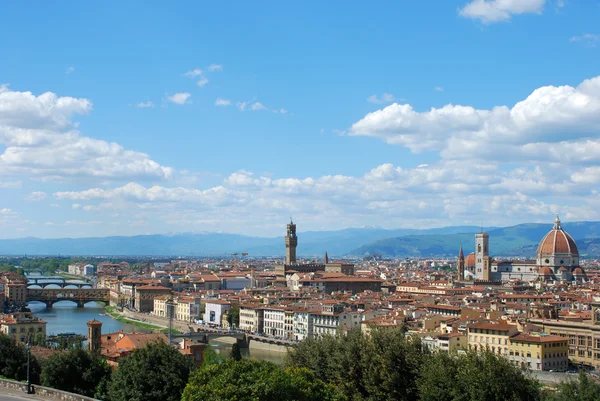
(557, 259)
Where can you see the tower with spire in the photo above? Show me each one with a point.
(461, 264)
(291, 242)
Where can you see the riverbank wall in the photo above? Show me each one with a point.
(264, 346)
(45, 392)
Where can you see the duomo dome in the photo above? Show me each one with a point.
(557, 248)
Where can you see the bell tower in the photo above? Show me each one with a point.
(481, 255)
(94, 335)
(291, 242)
(461, 265)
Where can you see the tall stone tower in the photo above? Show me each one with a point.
(291, 242)
(94, 335)
(482, 255)
(461, 264)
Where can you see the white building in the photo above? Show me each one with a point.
(251, 318)
(274, 322)
(327, 320)
(188, 309)
(302, 324)
(214, 310)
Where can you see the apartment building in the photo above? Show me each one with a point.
(251, 318)
(539, 351)
(274, 322)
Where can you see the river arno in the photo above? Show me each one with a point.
(65, 317)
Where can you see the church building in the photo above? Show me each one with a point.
(557, 260)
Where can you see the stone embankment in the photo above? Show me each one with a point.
(42, 393)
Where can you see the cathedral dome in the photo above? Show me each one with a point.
(578, 271)
(470, 260)
(557, 248)
(545, 271)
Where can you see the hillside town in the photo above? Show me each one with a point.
(541, 314)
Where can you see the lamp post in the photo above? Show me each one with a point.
(28, 388)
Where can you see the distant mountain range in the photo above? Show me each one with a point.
(519, 240)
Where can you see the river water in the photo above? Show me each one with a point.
(66, 317)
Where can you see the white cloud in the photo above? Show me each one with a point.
(222, 102)
(429, 195)
(489, 11)
(70, 70)
(36, 196)
(385, 98)
(10, 184)
(7, 212)
(76, 206)
(438, 89)
(588, 39)
(256, 106)
(41, 141)
(193, 73)
(242, 105)
(562, 116)
(202, 81)
(215, 67)
(179, 98)
(143, 105)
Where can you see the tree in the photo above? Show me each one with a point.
(157, 372)
(256, 380)
(233, 316)
(13, 361)
(210, 356)
(582, 389)
(76, 371)
(474, 377)
(381, 366)
(236, 354)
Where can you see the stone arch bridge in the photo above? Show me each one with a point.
(80, 296)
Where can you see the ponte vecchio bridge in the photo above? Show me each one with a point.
(80, 296)
(58, 281)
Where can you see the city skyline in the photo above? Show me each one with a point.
(132, 119)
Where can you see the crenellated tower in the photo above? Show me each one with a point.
(291, 242)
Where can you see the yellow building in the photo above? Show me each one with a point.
(539, 351)
(494, 336)
(23, 327)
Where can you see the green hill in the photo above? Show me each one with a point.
(519, 240)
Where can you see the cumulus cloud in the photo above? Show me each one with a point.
(222, 102)
(588, 39)
(428, 195)
(256, 106)
(144, 105)
(549, 116)
(41, 141)
(202, 81)
(179, 98)
(385, 98)
(36, 196)
(215, 67)
(490, 11)
(193, 73)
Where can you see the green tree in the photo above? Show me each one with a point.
(210, 356)
(233, 316)
(13, 361)
(381, 366)
(236, 354)
(582, 389)
(76, 371)
(474, 377)
(251, 380)
(157, 372)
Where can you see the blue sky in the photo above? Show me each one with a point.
(394, 114)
